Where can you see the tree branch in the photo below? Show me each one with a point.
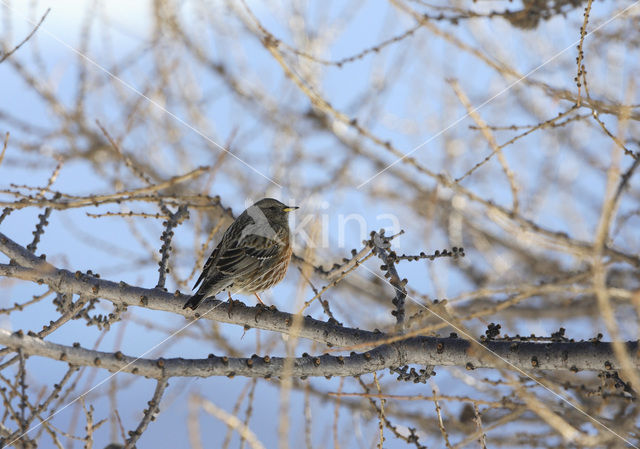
(417, 350)
(149, 414)
(29, 36)
(575, 356)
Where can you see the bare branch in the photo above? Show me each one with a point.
(29, 36)
(149, 414)
(576, 356)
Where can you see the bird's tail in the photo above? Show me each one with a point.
(194, 301)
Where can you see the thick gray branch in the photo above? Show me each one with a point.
(419, 351)
(416, 350)
(63, 281)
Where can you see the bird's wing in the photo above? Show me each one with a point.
(247, 254)
(209, 269)
(237, 254)
(211, 261)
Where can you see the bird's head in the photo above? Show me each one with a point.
(274, 211)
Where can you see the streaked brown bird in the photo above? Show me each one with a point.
(252, 256)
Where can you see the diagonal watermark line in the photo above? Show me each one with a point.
(113, 374)
(521, 371)
(138, 92)
(531, 72)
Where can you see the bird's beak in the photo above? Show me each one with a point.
(290, 208)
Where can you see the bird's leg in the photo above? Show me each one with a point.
(230, 303)
(260, 300)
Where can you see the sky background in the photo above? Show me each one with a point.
(415, 111)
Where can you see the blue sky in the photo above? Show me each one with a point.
(431, 107)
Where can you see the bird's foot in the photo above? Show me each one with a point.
(260, 308)
(230, 306)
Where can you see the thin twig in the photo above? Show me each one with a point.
(149, 414)
(39, 229)
(336, 417)
(381, 414)
(581, 76)
(443, 431)
(381, 245)
(4, 147)
(29, 36)
(229, 420)
(174, 220)
(482, 439)
(475, 115)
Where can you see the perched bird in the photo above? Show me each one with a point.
(252, 256)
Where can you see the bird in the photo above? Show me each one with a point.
(252, 256)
